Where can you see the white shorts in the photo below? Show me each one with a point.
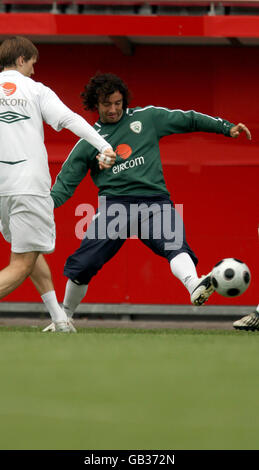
(27, 222)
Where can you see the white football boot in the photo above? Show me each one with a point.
(249, 322)
(202, 291)
(50, 327)
(66, 327)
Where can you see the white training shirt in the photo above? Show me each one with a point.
(24, 104)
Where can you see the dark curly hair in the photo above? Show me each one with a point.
(102, 85)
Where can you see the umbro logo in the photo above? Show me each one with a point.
(12, 163)
(136, 126)
(10, 116)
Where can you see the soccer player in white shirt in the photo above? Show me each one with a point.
(26, 208)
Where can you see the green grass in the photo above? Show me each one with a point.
(129, 389)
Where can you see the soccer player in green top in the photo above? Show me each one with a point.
(133, 198)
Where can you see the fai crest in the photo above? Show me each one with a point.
(136, 126)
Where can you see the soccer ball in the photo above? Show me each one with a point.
(230, 277)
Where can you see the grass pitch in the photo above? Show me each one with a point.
(129, 389)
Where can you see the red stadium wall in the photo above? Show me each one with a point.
(215, 178)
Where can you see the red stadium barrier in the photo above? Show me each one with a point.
(131, 2)
(47, 26)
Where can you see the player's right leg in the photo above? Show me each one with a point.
(248, 322)
(74, 294)
(95, 250)
(82, 265)
(42, 280)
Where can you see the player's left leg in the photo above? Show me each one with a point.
(28, 224)
(248, 322)
(19, 268)
(165, 235)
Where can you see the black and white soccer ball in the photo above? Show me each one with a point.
(230, 277)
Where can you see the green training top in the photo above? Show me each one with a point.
(135, 138)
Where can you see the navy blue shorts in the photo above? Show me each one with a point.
(152, 219)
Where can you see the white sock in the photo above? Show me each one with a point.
(183, 267)
(74, 293)
(53, 307)
(257, 308)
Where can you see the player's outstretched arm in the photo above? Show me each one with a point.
(236, 131)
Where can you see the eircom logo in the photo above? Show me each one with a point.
(8, 88)
(128, 164)
(124, 151)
